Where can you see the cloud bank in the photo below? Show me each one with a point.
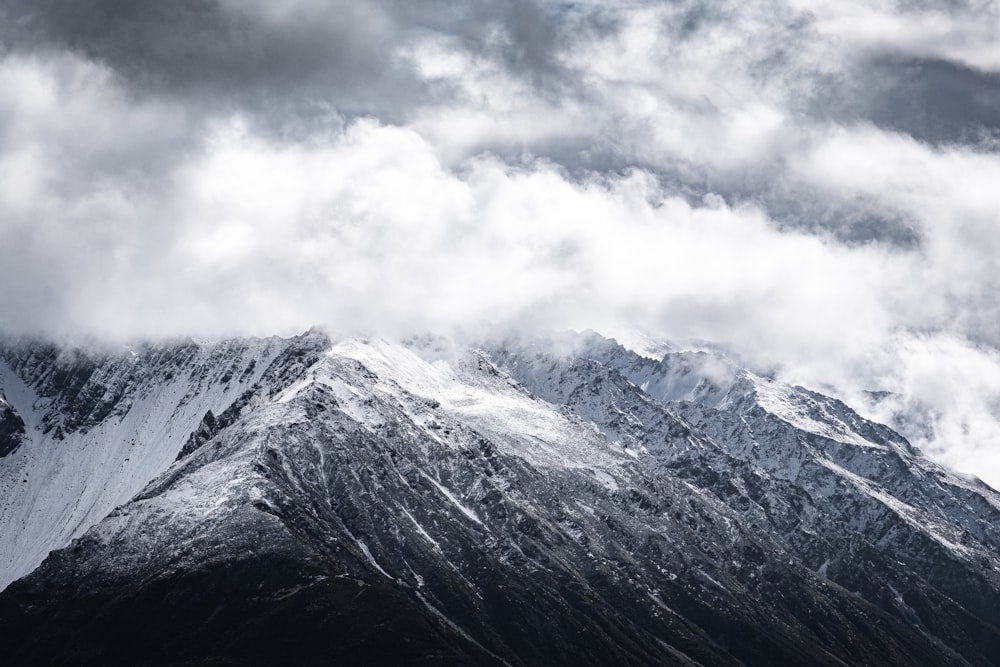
(813, 184)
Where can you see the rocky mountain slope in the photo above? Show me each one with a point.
(549, 501)
(82, 432)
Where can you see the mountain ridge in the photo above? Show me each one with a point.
(519, 503)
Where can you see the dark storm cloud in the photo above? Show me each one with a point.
(299, 66)
(244, 53)
(936, 101)
(285, 57)
(930, 99)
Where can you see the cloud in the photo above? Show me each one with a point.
(811, 183)
(936, 101)
(963, 32)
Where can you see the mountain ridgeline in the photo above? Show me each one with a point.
(547, 501)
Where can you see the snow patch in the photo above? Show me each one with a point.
(606, 480)
(371, 559)
(789, 405)
(473, 392)
(421, 530)
(451, 496)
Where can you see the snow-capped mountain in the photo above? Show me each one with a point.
(82, 432)
(555, 500)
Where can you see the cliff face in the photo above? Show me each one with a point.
(98, 426)
(520, 502)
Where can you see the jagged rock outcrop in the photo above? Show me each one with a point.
(11, 428)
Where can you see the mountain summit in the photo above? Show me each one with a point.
(555, 500)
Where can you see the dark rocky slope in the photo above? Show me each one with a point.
(422, 504)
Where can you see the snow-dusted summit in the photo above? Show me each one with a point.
(555, 500)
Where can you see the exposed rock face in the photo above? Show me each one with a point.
(99, 425)
(11, 428)
(384, 503)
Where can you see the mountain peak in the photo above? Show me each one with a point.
(560, 500)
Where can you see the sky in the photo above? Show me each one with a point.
(815, 185)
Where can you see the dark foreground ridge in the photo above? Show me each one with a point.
(549, 502)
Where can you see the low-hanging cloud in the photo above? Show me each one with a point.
(780, 176)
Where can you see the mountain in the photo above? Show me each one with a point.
(83, 431)
(552, 500)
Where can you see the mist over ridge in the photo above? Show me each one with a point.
(810, 184)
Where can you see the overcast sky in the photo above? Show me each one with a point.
(816, 184)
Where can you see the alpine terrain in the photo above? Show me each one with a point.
(558, 500)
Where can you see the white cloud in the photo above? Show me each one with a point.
(968, 33)
(637, 184)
